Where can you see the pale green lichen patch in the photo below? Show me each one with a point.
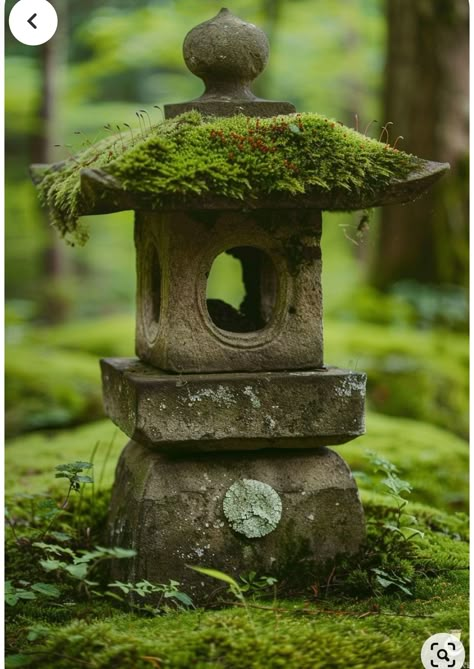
(253, 508)
(238, 157)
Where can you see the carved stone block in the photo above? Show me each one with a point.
(295, 512)
(278, 324)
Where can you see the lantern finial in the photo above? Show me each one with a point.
(227, 53)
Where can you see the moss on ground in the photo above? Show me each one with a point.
(49, 387)
(111, 336)
(236, 157)
(30, 459)
(313, 632)
(344, 626)
(435, 461)
(341, 627)
(53, 373)
(351, 636)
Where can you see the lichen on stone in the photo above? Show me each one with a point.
(222, 396)
(238, 157)
(252, 508)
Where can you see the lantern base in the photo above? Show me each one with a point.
(289, 514)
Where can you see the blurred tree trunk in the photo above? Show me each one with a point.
(271, 10)
(53, 307)
(426, 97)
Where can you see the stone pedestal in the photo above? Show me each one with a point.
(281, 513)
(233, 411)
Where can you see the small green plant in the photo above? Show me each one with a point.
(387, 579)
(389, 558)
(250, 583)
(42, 510)
(253, 584)
(234, 587)
(144, 589)
(72, 471)
(61, 552)
(29, 591)
(398, 531)
(400, 524)
(31, 519)
(78, 565)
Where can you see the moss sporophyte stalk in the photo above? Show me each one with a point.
(238, 157)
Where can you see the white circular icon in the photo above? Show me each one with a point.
(33, 22)
(443, 651)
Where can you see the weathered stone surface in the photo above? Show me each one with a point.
(175, 253)
(105, 194)
(227, 54)
(226, 51)
(257, 108)
(233, 411)
(171, 511)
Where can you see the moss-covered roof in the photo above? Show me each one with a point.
(197, 162)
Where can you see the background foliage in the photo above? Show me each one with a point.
(68, 306)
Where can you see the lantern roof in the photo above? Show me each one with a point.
(229, 149)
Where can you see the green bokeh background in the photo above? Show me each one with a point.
(118, 56)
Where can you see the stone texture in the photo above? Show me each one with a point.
(170, 510)
(175, 253)
(233, 411)
(226, 51)
(105, 194)
(255, 108)
(227, 54)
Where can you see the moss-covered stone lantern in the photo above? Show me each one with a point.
(230, 411)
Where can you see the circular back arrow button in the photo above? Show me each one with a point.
(33, 22)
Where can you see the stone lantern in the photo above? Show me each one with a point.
(230, 412)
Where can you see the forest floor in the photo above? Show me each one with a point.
(375, 610)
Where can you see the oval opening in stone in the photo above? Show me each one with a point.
(242, 289)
